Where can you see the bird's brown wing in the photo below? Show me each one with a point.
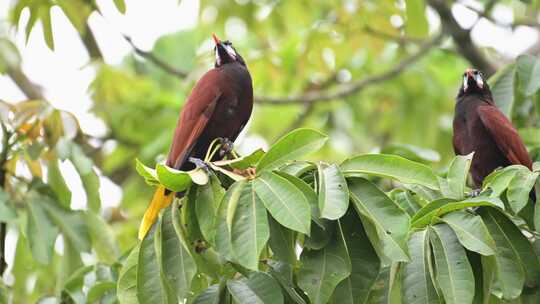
(505, 135)
(194, 117)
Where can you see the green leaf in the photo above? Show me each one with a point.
(223, 232)
(243, 162)
(471, 232)
(284, 201)
(40, 231)
(405, 200)
(177, 263)
(7, 210)
(391, 166)
(417, 285)
(519, 188)
(499, 180)
(151, 286)
(416, 25)
(126, 289)
(502, 89)
(297, 168)
(283, 273)
(100, 290)
(365, 265)
(89, 178)
(172, 179)
(71, 224)
(248, 223)
(58, 184)
(457, 175)
(333, 193)
(120, 5)
(282, 242)
(210, 295)
(149, 174)
(258, 288)
(411, 152)
(439, 208)
(322, 270)
(530, 136)
(528, 70)
(454, 273)
(390, 222)
(45, 14)
(103, 239)
(207, 199)
(292, 145)
(514, 252)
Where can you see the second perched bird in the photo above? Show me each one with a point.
(480, 127)
(219, 106)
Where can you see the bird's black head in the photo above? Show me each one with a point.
(474, 83)
(226, 53)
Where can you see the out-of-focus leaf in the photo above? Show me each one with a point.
(530, 136)
(502, 89)
(333, 193)
(416, 25)
(120, 5)
(292, 145)
(103, 239)
(471, 232)
(7, 210)
(40, 231)
(45, 14)
(528, 71)
(284, 201)
(58, 184)
(438, 208)
(88, 175)
(390, 221)
(411, 152)
(391, 166)
(126, 289)
(417, 286)
(258, 288)
(454, 273)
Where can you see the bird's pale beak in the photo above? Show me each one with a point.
(216, 39)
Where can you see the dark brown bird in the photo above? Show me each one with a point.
(219, 106)
(480, 127)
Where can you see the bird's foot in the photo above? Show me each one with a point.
(227, 147)
(199, 163)
(475, 192)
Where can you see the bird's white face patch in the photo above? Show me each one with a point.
(218, 59)
(479, 81)
(230, 51)
(465, 83)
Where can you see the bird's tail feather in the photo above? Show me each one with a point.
(161, 199)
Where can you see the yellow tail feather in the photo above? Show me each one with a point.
(159, 201)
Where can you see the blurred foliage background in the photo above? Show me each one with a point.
(373, 75)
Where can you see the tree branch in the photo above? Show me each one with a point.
(462, 38)
(30, 89)
(157, 61)
(89, 41)
(355, 86)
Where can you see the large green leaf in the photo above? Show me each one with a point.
(248, 224)
(172, 179)
(258, 288)
(282, 242)
(391, 166)
(292, 145)
(457, 175)
(58, 184)
(207, 199)
(40, 231)
(365, 264)
(471, 232)
(284, 201)
(417, 284)
(308, 192)
(211, 295)
(223, 232)
(283, 273)
(502, 89)
(333, 193)
(243, 162)
(514, 255)
(435, 209)
(499, 180)
(406, 200)
(178, 266)
(454, 273)
(387, 218)
(126, 289)
(322, 270)
(519, 188)
(151, 285)
(528, 70)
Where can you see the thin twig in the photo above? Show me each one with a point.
(155, 60)
(3, 225)
(354, 86)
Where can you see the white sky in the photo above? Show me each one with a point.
(65, 74)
